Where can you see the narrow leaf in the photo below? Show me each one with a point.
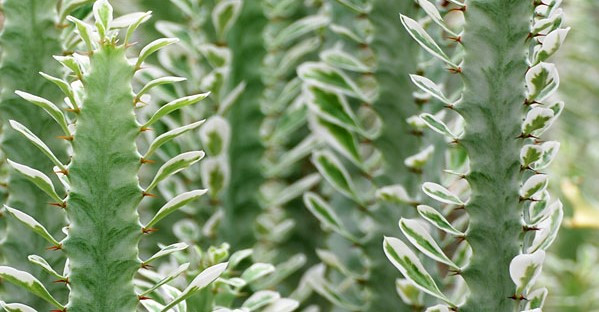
(175, 105)
(257, 271)
(37, 142)
(174, 204)
(438, 308)
(425, 40)
(215, 135)
(158, 82)
(417, 161)
(408, 292)
(329, 78)
(431, 88)
(167, 136)
(410, 267)
(433, 13)
(16, 307)
(135, 21)
(323, 212)
(437, 125)
(282, 305)
(438, 220)
(335, 173)
(550, 149)
(260, 299)
(341, 59)
(299, 28)
(44, 265)
(103, 15)
(50, 108)
(224, 15)
(440, 193)
(29, 283)
(153, 47)
(421, 239)
(551, 43)
(38, 178)
(165, 251)
(201, 281)
(171, 276)
(548, 230)
(33, 224)
(175, 165)
(524, 270)
(85, 32)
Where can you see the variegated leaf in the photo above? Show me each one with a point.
(431, 88)
(421, 239)
(534, 186)
(438, 220)
(410, 267)
(425, 40)
(548, 230)
(33, 224)
(441, 194)
(175, 165)
(204, 279)
(175, 105)
(174, 204)
(437, 125)
(29, 283)
(541, 81)
(524, 270)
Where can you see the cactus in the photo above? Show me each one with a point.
(25, 53)
(505, 108)
(103, 191)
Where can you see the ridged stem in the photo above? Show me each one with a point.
(29, 39)
(494, 66)
(102, 205)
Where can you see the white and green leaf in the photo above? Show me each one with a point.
(37, 142)
(525, 269)
(441, 194)
(167, 250)
(33, 224)
(437, 125)
(175, 165)
(534, 186)
(29, 283)
(174, 204)
(438, 220)
(410, 267)
(175, 105)
(49, 107)
(542, 80)
(38, 178)
(425, 40)
(167, 136)
(41, 262)
(152, 47)
(421, 239)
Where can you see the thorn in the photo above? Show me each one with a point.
(57, 247)
(527, 228)
(68, 138)
(62, 205)
(73, 110)
(143, 298)
(144, 194)
(146, 161)
(142, 129)
(63, 310)
(454, 272)
(518, 297)
(463, 9)
(457, 39)
(63, 171)
(148, 230)
(460, 238)
(66, 281)
(455, 70)
(449, 106)
(146, 266)
(128, 45)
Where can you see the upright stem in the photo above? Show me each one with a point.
(25, 52)
(493, 71)
(102, 206)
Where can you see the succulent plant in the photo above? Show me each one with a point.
(101, 181)
(505, 108)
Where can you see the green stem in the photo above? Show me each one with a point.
(102, 205)
(493, 71)
(25, 52)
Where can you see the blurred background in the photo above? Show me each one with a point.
(572, 270)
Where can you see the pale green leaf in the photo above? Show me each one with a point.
(85, 32)
(167, 136)
(260, 299)
(171, 276)
(542, 80)
(437, 125)
(432, 12)
(335, 173)
(29, 283)
(421, 239)
(425, 40)
(153, 47)
(224, 15)
(158, 82)
(537, 120)
(282, 305)
(299, 28)
(410, 267)
(430, 87)
(50, 108)
(167, 250)
(408, 292)
(37, 142)
(548, 230)
(534, 186)
(175, 105)
(338, 58)
(33, 224)
(441, 194)
(257, 271)
(38, 178)
(438, 220)
(330, 78)
(41, 262)
(175, 165)
(16, 307)
(174, 204)
(201, 281)
(536, 298)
